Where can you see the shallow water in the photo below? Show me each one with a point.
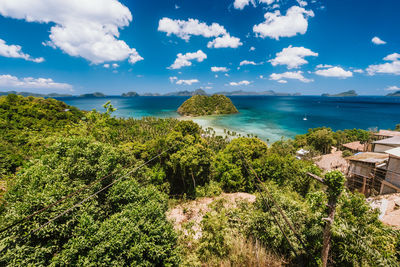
(268, 117)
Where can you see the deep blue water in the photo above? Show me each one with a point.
(269, 117)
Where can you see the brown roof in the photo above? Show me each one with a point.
(388, 133)
(357, 146)
(369, 157)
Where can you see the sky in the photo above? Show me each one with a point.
(160, 46)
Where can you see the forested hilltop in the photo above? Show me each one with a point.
(200, 105)
(114, 180)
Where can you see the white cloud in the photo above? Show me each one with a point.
(185, 29)
(240, 4)
(323, 66)
(87, 29)
(302, 3)
(292, 57)
(244, 82)
(221, 69)
(15, 51)
(337, 72)
(106, 65)
(187, 82)
(173, 79)
(115, 65)
(296, 75)
(358, 71)
(247, 62)
(9, 81)
(392, 88)
(376, 40)
(392, 67)
(276, 25)
(185, 60)
(224, 42)
(252, 48)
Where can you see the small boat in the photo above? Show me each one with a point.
(305, 118)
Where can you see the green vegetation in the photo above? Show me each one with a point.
(95, 94)
(201, 105)
(343, 94)
(130, 94)
(397, 93)
(49, 150)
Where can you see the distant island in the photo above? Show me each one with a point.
(34, 94)
(95, 94)
(397, 93)
(201, 105)
(343, 94)
(187, 93)
(130, 94)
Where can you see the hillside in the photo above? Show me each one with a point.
(343, 94)
(128, 192)
(130, 94)
(95, 94)
(397, 93)
(200, 105)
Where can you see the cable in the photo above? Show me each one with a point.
(76, 192)
(94, 194)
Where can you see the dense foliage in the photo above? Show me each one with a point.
(200, 105)
(49, 150)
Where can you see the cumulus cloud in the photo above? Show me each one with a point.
(252, 48)
(15, 51)
(240, 4)
(247, 62)
(173, 79)
(392, 67)
(87, 29)
(244, 82)
(193, 27)
(322, 66)
(187, 82)
(185, 60)
(219, 69)
(292, 57)
(224, 42)
(392, 88)
(337, 72)
(8, 81)
(276, 25)
(358, 71)
(296, 75)
(376, 40)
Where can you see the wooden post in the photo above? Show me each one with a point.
(327, 234)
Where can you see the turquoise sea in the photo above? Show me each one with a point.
(268, 117)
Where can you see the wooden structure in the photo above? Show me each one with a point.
(366, 172)
(383, 134)
(391, 184)
(381, 146)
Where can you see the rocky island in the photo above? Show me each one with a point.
(343, 94)
(397, 93)
(201, 105)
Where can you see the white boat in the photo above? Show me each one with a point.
(305, 118)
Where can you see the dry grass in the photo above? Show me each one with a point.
(247, 253)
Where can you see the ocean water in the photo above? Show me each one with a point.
(268, 117)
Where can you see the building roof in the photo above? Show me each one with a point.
(388, 133)
(389, 141)
(394, 152)
(369, 157)
(357, 146)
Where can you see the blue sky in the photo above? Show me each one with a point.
(312, 47)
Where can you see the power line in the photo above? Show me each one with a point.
(78, 191)
(94, 194)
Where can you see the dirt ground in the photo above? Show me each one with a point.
(194, 211)
(389, 206)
